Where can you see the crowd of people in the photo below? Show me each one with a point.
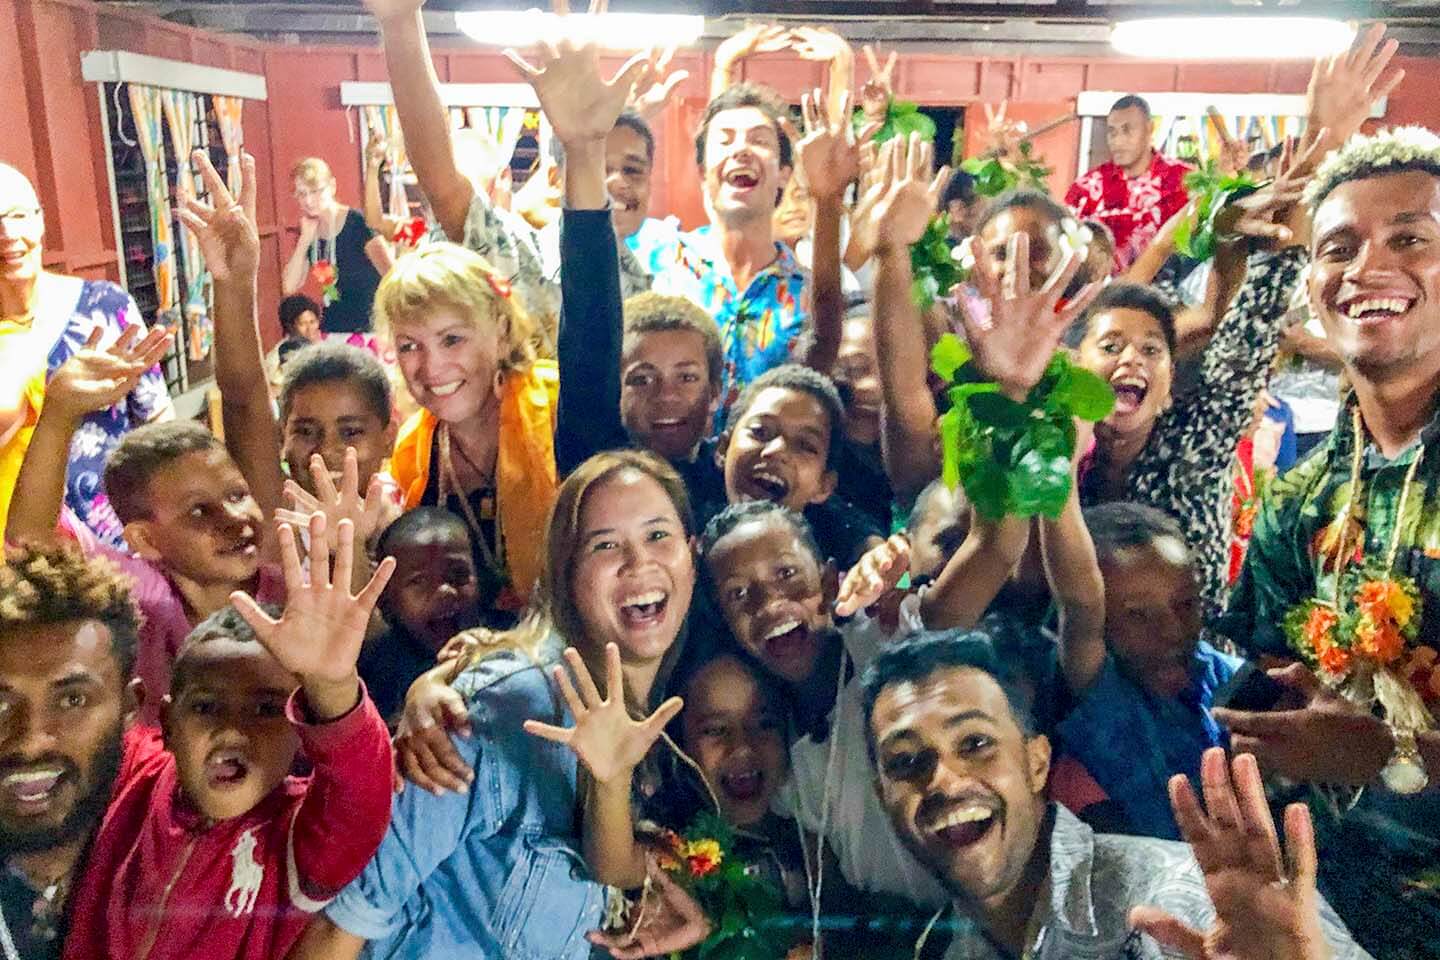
(575, 585)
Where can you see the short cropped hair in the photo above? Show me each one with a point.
(736, 97)
(1128, 296)
(633, 121)
(50, 584)
(792, 376)
(413, 523)
(1132, 100)
(924, 654)
(1024, 199)
(291, 309)
(336, 362)
(654, 312)
(961, 187)
(723, 523)
(1123, 525)
(1395, 150)
(141, 454)
(224, 624)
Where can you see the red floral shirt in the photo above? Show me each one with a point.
(1133, 208)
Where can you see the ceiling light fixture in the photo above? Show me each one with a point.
(617, 31)
(1232, 38)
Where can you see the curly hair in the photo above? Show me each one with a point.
(1394, 150)
(51, 584)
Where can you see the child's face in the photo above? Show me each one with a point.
(938, 532)
(449, 363)
(666, 397)
(1152, 615)
(227, 728)
(433, 593)
(778, 450)
(858, 373)
(772, 592)
(327, 417)
(735, 733)
(203, 525)
(307, 326)
(633, 572)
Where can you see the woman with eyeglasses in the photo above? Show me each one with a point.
(45, 318)
(343, 256)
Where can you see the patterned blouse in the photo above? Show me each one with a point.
(105, 305)
(1185, 467)
(1134, 208)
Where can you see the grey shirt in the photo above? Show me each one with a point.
(1095, 880)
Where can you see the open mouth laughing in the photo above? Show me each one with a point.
(1130, 392)
(226, 769)
(786, 640)
(443, 390)
(743, 785)
(963, 825)
(31, 791)
(1375, 309)
(645, 609)
(769, 484)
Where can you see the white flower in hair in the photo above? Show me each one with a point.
(1076, 237)
(964, 254)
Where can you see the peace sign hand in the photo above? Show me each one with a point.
(225, 227)
(1013, 346)
(605, 737)
(876, 92)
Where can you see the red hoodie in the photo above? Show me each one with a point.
(160, 884)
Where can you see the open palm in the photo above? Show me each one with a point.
(318, 636)
(94, 379)
(829, 154)
(605, 737)
(910, 194)
(579, 103)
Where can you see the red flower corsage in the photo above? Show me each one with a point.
(500, 285)
(410, 234)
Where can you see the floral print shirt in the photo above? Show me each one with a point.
(1185, 467)
(1134, 208)
(1377, 858)
(105, 305)
(760, 326)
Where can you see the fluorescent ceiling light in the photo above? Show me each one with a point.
(1232, 38)
(620, 31)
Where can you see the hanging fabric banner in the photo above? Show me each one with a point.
(147, 107)
(228, 112)
(381, 118)
(184, 113)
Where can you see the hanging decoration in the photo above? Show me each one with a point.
(184, 113)
(146, 104)
(228, 113)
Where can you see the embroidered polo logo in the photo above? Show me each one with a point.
(246, 873)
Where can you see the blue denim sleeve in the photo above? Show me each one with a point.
(424, 831)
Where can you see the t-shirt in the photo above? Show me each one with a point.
(24, 913)
(388, 665)
(355, 276)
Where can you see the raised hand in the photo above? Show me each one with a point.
(1275, 214)
(818, 43)
(828, 155)
(318, 636)
(1014, 344)
(1266, 907)
(670, 922)
(383, 10)
(367, 515)
(877, 573)
(605, 737)
(876, 92)
(656, 85)
(1002, 135)
(95, 379)
(580, 104)
(755, 38)
(225, 227)
(1234, 154)
(1343, 88)
(911, 193)
(375, 151)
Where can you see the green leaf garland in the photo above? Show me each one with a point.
(932, 264)
(1013, 458)
(1198, 236)
(902, 118)
(996, 175)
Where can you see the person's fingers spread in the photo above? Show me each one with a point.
(290, 560)
(370, 595)
(547, 732)
(578, 709)
(1194, 827)
(319, 552)
(1169, 931)
(521, 65)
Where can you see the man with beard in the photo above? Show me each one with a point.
(963, 778)
(67, 646)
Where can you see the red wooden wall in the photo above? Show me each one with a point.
(51, 120)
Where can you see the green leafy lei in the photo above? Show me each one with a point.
(1211, 192)
(902, 118)
(1013, 459)
(995, 175)
(932, 264)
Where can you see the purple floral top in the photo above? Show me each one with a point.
(103, 304)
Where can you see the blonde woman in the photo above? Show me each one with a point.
(343, 256)
(482, 443)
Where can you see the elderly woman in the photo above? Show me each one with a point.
(44, 319)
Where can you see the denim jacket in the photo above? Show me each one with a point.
(494, 872)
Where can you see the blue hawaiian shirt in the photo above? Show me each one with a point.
(1133, 743)
(105, 305)
(759, 327)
